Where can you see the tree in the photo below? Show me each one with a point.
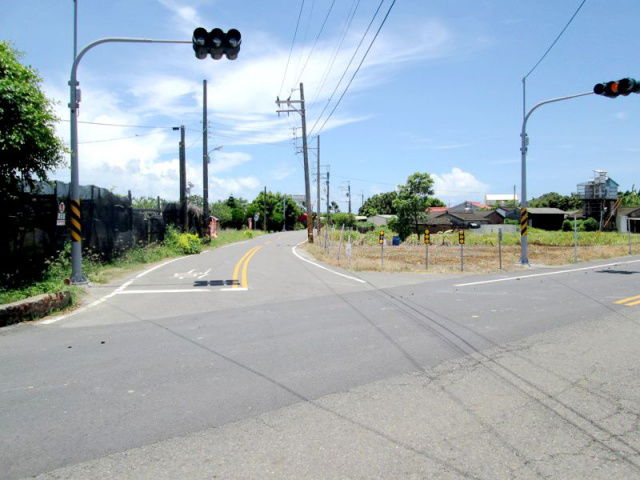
(274, 204)
(29, 148)
(334, 207)
(411, 203)
(630, 198)
(566, 203)
(239, 212)
(196, 200)
(147, 202)
(222, 212)
(379, 204)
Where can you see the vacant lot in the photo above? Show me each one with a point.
(481, 253)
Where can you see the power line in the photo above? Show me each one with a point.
(316, 41)
(348, 65)
(291, 49)
(118, 138)
(350, 16)
(360, 65)
(556, 40)
(117, 124)
(304, 40)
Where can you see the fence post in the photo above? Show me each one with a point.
(340, 243)
(500, 246)
(575, 239)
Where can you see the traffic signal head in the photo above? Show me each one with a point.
(628, 85)
(217, 43)
(624, 86)
(608, 89)
(199, 40)
(232, 43)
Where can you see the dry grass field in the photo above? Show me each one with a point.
(481, 253)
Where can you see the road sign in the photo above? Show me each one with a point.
(62, 216)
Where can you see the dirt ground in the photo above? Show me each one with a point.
(447, 258)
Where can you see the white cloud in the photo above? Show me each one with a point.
(458, 185)
(223, 162)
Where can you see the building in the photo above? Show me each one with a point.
(501, 199)
(598, 196)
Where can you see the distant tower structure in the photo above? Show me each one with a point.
(599, 197)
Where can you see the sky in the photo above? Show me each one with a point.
(439, 90)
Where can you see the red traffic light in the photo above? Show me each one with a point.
(608, 89)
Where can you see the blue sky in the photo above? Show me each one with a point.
(439, 92)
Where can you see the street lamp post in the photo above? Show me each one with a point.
(77, 277)
(524, 259)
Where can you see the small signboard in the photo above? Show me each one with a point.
(62, 216)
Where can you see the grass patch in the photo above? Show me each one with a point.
(481, 252)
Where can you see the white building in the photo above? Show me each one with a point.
(491, 199)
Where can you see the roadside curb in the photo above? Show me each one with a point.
(33, 308)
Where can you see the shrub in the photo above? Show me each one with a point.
(590, 225)
(182, 243)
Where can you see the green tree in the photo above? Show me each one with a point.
(222, 212)
(379, 204)
(29, 148)
(630, 198)
(274, 203)
(566, 203)
(147, 202)
(411, 203)
(239, 213)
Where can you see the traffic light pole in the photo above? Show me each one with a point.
(77, 277)
(524, 259)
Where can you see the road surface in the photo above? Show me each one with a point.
(252, 361)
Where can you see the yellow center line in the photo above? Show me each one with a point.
(239, 265)
(633, 303)
(625, 300)
(246, 264)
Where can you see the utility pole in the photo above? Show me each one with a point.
(184, 219)
(328, 204)
(284, 213)
(318, 182)
(307, 187)
(264, 221)
(205, 156)
(349, 195)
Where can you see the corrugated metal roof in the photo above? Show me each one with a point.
(546, 211)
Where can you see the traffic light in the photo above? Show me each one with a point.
(628, 85)
(381, 238)
(427, 237)
(461, 237)
(216, 43)
(623, 86)
(608, 89)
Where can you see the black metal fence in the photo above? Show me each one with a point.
(36, 226)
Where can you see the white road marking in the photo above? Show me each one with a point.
(204, 274)
(239, 289)
(323, 268)
(158, 266)
(521, 277)
(174, 290)
(117, 291)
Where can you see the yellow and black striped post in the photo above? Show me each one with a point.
(524, 221)
(75, 223)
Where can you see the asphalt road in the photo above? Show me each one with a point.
(250, 362)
